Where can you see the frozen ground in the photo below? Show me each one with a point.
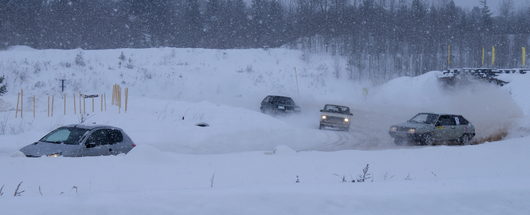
(251, 159)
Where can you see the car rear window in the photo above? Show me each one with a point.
(283, 100)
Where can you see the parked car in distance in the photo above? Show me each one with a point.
(79, 141)
(428, 128)
(335, 116)
(278, 104)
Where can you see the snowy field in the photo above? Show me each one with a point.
(246, 162)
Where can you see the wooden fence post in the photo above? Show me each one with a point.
(80, 104)
(75, 108)
(64, 99)
(18, 104)
(21, 103)
(84, 105)
(126, 98)
(49, 106)
(92, 104)
(52, 105)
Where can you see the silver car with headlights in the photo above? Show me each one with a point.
(81, 140)
(429, 128)
(335, 116)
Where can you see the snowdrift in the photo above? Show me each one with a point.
(174, 89)
(246, 162)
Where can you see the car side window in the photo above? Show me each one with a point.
(462, 120)
(99, 137)
(446, 121)
(267, 99)
(115, 136)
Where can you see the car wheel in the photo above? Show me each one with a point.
(465, 140)
(427, 139)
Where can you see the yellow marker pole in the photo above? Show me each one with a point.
(493, 56)
(483, 55)
(523, 57)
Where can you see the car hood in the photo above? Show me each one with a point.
(414, 125)
(43, 149)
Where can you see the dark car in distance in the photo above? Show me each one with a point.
(278, 104)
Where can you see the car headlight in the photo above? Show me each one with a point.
(324, 117)
(393, 128)
(412, 131)
(346, 120)
(54, 155)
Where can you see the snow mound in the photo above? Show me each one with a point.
(281, 150)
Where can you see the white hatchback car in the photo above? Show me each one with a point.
(81, 140)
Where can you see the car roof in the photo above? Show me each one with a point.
(336, 105)
(440, 114)
(279, 96)
(91, 127)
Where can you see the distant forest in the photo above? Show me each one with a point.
(380, 38)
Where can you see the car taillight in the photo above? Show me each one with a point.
(133, 145)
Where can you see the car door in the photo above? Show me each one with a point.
(460, 128)
(445, 128)
(117, 143)
(97, 144)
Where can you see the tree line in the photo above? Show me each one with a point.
(381, 38)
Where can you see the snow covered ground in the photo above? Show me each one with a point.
(246, 162)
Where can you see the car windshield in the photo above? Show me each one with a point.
(66, 135)
(283, 100)
(337, 109)
(425, 118)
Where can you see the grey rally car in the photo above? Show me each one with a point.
(428, 128)
(81, 140)
(335, 116)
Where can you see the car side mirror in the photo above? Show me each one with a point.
(90, 145)
(438, 124)
(322, 110)
(351, 114)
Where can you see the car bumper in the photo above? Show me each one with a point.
(335, 124)
(406, 135)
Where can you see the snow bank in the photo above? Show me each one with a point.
(246, 162)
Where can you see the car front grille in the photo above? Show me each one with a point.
(403, 129)
(334, 119)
